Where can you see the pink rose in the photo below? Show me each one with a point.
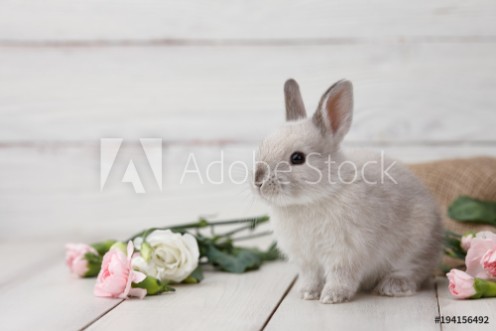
(489, 263)
(117, 275)
(466, 240)
(479, 245)
(75, 258)
(461, 284)
(486, 235)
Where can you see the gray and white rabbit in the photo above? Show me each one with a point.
(348, 220)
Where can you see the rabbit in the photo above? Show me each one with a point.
(346, 222)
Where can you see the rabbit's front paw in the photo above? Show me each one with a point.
(310, 291)
(336, 295)
(310, 294)
(396, 286)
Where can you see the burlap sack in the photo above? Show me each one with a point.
(448, 179)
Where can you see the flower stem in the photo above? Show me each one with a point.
(202, 223)
(251, 236)
(242, 228)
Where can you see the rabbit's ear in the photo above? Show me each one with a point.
(335, 111)
(295, 109)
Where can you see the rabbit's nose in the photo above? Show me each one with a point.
(259, 177)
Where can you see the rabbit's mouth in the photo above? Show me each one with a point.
(272, 187)
(267, 190)
(274, 194)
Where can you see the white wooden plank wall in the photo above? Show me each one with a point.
(413, 92)
(207, 78)
(61, 21)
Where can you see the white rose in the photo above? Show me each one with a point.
(173, 256)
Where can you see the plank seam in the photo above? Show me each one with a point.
(279, 303)
(249, 42)
(226, 142)
(100, 316)
(437, 302)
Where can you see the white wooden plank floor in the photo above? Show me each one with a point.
(221, 302)
(207, 78)
(450, 307)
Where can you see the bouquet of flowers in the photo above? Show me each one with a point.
(477, 249)
(149, 262)
(479, 280)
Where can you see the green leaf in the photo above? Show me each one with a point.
(195, 277)
(272, 253)
(237, 261)
(452, 245)
(103, 246)
(466, 209)
(227, 257)
(153, 286)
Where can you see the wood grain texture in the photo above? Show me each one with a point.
(62, 191)
(365, 312)
(50, 299)
(403, 93)
(451, 307)
(58, 20)
(24, 257)
(207, 78)
(221, 302)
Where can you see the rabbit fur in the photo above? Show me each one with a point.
(348, 219)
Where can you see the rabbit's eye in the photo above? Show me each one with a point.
(297, 158)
